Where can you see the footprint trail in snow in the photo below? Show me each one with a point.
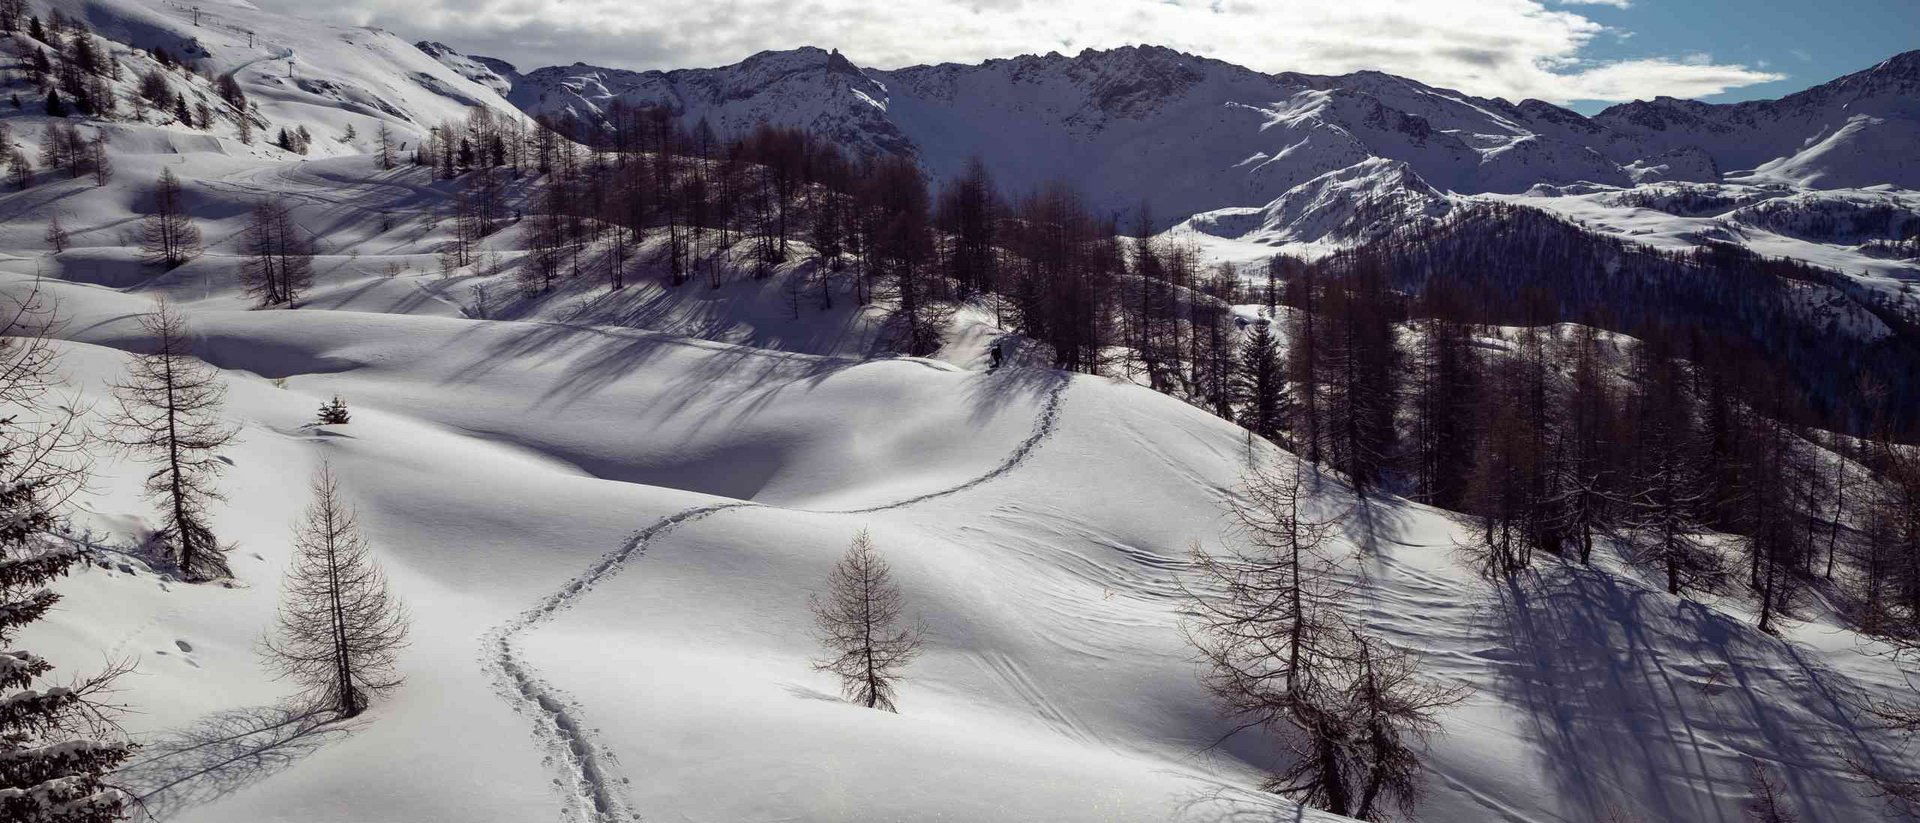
(583, 769)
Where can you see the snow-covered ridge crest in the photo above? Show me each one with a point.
(1170, 129)
(299, 72)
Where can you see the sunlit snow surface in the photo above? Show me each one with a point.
(1037, 522)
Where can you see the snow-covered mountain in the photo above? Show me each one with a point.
(296, 72)
(1859, 130)
(607, 508)
(1186, 134)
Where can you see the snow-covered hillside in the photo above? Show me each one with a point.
(325, 77)
(606, 509)
(699, 491)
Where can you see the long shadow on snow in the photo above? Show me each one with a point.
(222, 754)
(1621, 723)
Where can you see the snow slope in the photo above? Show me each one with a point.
(607, 515)
(297, 72)
(573, 656)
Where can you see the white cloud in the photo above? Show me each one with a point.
(1510, 48)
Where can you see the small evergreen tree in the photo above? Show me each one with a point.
(334, 413)
(55, 106)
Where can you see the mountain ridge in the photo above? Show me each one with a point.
(1223, 135)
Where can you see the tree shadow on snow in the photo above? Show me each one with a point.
(992, 391)
(1652, 704)
(223, 753)
(1222, 803)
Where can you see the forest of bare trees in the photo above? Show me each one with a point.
(1418, 365)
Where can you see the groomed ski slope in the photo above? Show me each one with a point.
(498, 463)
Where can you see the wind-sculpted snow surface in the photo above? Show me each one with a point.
(594, 793)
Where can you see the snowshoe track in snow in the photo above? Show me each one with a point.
(594, 795)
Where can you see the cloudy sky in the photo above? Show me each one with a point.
(1583, 52)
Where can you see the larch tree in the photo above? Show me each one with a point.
(57, 742)
(19, 168)
(99, 158)
(1767, 801)
(340, 628)
(57, 237)
(1667, 504)
(1267, 623)
(860, 621)
(278, 266)
(1392, 707)
(168, 236)
(169, 416)
(1282, 657)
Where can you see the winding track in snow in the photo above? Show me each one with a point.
(594, 795)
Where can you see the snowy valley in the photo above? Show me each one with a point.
(620, 363)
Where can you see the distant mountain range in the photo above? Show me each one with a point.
(1184, 134)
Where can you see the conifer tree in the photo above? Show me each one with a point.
(169, 416)
(278, 266)
(1260, 383)
(1767, 801)
(19, 169)
(860, 623)
(340, 629)
(1267, 623)
(1392, 709)
(99, 158)
(334, 412)
(57, 237)
(57, 743)
(385, 154)
(168, 235)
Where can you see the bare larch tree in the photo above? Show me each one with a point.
(340, 628)
(1767, 801)
(170, 417)
(1282, 657)
(167, 234)
(278, 266)
(1267, 623)
(859, 622)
